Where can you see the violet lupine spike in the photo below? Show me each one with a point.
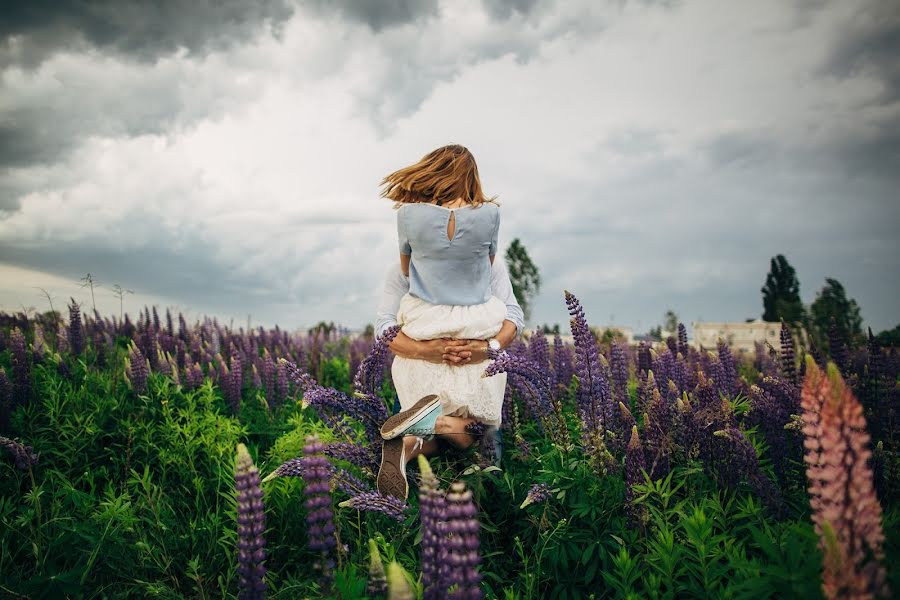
(375, 502)
(257, 380)
(138, 371)
(251, 518)
(770, 417)
(618, 363)
(539, 352)
(6, 400)
(537, 494)
(24, 456)
(76, 329)
(461, 530)
(593, 398)
(503, 362)
(232, 384)
(634, 467)
(663, 369)
(729, 368)
(658, 433)
(645, 361)
(682, 346)
(562, 364)
(738, 461)
(319, 517)
(356, 455)
(368, 377)
(282, 387)
(788, 358)
(21, 365)
(432, 512)
(268, 379)
(349, 483)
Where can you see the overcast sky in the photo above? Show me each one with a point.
(649, 155)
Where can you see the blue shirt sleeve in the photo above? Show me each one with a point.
(395, 287)
(493, 249)
(401, 234)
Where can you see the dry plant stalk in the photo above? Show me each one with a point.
(846, 512)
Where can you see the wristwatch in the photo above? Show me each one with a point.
(494, 344)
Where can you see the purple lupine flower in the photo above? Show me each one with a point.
(376, 585)
(38, 345)
(193, 377)
(319, 517)
(21, 365)
(24, 456)
(680, 375)
(432, 513)
(524, 372)
(368, 377)
(137, 369)
(562, 364)
(740, 461)
(537, 494)
(232, 384)
(624, 424)
(618, 363)
(729, 370)
(155, 319)
(634, 467)
(594, 399)
(539, 352)
(672, 345)
(76, 329)
(375, 502)
(645, 392)
(770, 417)
(355, 454)
(461, 531)
(6, 400)
(788, 364)
(100, 348)
(251, 518)
(257, 380)
(682, 346)
(183, 331)
(663, 369)
(659, 434)
(268, 379)
(645, 360)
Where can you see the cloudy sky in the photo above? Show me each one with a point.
(650, 155)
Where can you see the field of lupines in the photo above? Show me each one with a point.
(154, 459)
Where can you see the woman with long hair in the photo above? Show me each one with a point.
(448, 232)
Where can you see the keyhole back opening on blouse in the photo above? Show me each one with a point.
(451, 226)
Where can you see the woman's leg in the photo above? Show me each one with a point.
(452, 429)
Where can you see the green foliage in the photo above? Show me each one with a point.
(523, 275)
(781, 293)
(133, 498)
(832, 303)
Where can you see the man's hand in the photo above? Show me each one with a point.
(463, 352)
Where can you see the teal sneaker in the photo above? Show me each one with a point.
(418, 420)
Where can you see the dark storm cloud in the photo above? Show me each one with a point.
(870, 44)
(378, 14)
(33, 31)
(503, 9)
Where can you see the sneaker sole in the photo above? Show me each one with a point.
(409, 417)
(392, 473)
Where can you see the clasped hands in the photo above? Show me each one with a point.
(454, 352)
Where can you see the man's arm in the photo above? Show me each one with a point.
(501, 287)
(395, 286)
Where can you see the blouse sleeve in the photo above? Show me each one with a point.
(401, 234)
(493, 249)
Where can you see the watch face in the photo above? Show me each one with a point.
(494, 345)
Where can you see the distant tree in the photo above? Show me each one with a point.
(889, 338)
(369, 331)
(781, 293)
(671, 321)
(656, 333)
(832, 303)
(523, 275)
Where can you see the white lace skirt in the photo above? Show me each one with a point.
(462, 389)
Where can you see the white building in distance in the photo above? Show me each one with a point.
(740, 337)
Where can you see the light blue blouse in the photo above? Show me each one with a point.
(455, 271)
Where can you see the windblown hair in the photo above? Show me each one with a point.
(442, 175)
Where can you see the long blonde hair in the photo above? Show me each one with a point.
(442, 175)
